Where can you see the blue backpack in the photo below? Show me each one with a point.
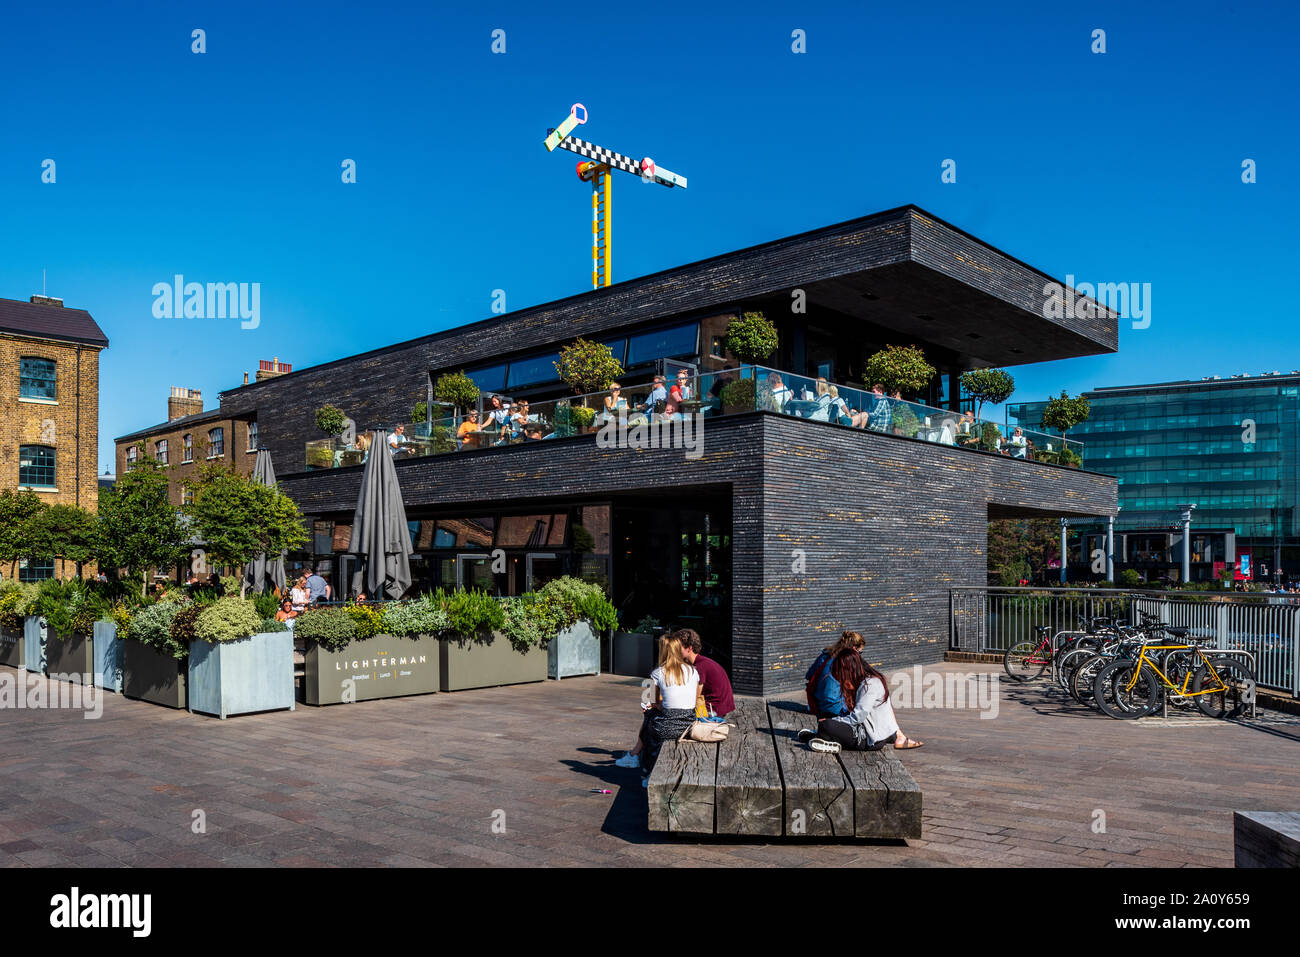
(825, 699)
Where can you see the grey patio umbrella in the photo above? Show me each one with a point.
(263, 574)
(380, 535)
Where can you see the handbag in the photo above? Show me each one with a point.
(708, 732)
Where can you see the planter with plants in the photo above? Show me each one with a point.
(155, 653)
(364, 653)
(16, 600)
(738, 396)
(490, 642)
(71, 610)
(581, 614)
(634, 651)
(239, 663)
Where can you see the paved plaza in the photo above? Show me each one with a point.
(504, 776)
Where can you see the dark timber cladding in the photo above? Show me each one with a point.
(929, 280)
(886, 525)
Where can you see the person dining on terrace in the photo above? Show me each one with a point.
(615, 405)
(839, 409)
(657, 399)
(1017, 446)
(776, 394)
(679, 393)
(967, 435)
(466, 432)
(397, 439)
(881, 413)
(822, 410)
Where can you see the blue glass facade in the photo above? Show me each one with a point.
(1230, 446)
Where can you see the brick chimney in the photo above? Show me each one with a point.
(47, 301)
(183, 402)
(271, 369)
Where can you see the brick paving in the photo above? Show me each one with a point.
(422, 781)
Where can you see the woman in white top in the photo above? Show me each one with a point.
(822, 413)
(871, 724)
(670, 713)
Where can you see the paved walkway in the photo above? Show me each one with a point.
(435, 779)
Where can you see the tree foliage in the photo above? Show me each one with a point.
(331, 420)
(15, 509)
(587, 366)
(1019, 545)
(1064, 413)
(751, 338)
(456, 389)
(60, 531)
(239, 519)
(139, 528)
(901, 369)
(987, 385)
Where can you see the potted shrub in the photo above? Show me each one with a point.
(238, 664)
(16, 600)
(475, 651)
(587, 367)
(738, 396)
(582, 613)
(751, 338)
(634, 651)
(155, 650)
(71, 610)
(457, 390)
(400, 656)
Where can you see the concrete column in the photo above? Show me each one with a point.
(1187, 541)
(1110, 548)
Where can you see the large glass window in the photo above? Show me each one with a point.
(535, 370)
(489, 378)
(35, 569)
(36, 466)
(36, 378)
(675, 342)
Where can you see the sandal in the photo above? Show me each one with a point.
(908, 745)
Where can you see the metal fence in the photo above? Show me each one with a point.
(992, 619)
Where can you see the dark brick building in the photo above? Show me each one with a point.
(784, 530)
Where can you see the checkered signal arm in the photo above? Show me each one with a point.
(601, 155)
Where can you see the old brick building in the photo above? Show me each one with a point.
(789, 525)
(49, 406)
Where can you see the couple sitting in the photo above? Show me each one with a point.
(687, 686)
(851, 701)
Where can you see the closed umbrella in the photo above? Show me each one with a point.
(263, 574)
(380, 535)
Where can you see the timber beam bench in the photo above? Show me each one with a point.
(762, 781)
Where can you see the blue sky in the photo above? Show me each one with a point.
(225, 166)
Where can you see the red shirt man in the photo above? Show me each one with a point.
(713, 677)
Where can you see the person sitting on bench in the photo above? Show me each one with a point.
(868, 722)
(676, 687)
(849, 639)
(713, 677)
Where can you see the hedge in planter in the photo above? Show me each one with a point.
(16, 603)
(478, 653)
(581, 613)
(401, 656)
(238, 664)
(71, 609)
(154, 661)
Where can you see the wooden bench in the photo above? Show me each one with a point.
(1266, 838)
(763, 781)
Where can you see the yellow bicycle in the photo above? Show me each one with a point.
(1129, 688)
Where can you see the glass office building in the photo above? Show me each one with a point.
(1227, 445)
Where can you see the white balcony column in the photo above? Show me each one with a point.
(1187, 541)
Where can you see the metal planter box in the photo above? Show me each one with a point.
(242, 677)
(574, 651)
(11, 647)
(634, 654)
(70, 657)
(108, 656)
(149, 675)
(380, 667)
(34, 630)
(486, 664)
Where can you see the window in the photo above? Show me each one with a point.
(216, 443)
(36, 378)
(662, 344)
(36, 466)
(534, 370)
(252, 436)
(35, 569)
(160, 451)
(187, 496)
(187, 447)
(489, 378)
(131, 454)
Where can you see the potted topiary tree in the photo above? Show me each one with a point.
(238, 664)
(987, 385)
(751, 338)
(1064, 413)
(457, 390)
(586, 367)
(900, 369)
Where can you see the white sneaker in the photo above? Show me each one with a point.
(827, 747)
(629, 760)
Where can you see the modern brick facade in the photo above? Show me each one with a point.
(64, 428)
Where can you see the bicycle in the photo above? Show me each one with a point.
(1221, 687)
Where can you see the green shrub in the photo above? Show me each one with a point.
(456, 389)
(738, 394)
(266, 603)
(330, 420)
(183, 626)
(368, 618)
(648, 625)
(410, 619)
(1130, 578)
(270, 626)
(751, 338)
(331, 628)
(17, 601)
(471, 613)
(155, 626)
(571, 599)
(227, 619)
(582, 417)
(530, 621)
(71, 607)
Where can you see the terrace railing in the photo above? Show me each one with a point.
(746, 388)
(990, 620)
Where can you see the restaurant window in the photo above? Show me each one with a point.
(36, 378)
(160, 451)
(187, 447)
(662, 344)
(535, 370)
(36, 466)
(252, 436)
(216, 443)
(489, 378)
(35, 569)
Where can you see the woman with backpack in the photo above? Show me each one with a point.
(855, 699)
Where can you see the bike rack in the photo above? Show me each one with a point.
(1254, 696)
